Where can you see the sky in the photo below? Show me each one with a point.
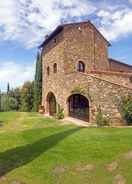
(25, 23)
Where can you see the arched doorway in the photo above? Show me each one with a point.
(51, 104)
(78, 107)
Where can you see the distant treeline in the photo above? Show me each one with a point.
(26, 98)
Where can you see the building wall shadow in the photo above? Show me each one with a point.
(19, 156)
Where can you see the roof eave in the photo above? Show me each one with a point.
(55, 32)
(110, 60)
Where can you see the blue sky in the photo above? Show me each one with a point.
(24, 24)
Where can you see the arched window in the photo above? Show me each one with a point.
(48, 70)
(81, 66)
(55, 68)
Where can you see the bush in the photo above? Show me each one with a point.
(60, 113)
(13, 103)
(126, 109)
(8, 103)
(101, 120)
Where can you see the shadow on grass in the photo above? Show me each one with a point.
(17, 157)
(1, 123)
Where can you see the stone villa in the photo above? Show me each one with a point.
(79, 77)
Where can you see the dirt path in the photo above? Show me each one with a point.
(17, 123)
(80, 123)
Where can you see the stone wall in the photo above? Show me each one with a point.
(84, 43)
(74, 43)
(101, 52)
(123, 79)
(100, 93)
(50, 57)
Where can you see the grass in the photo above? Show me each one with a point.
(38, 150)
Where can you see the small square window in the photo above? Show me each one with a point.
(48, 70)
(55, 68)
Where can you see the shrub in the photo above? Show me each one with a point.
(8, 103)
(101, 120)
(126, 109)
(60, 113)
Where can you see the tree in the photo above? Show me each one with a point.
(38, 83)
(12, 103)
(0, 100)
(4, 103)
(126, 109)
(27, 97)
(8, 103)
(17, 96)
(8, 88)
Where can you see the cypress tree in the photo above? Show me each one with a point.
(7, 97)
(38, 82)
(8, 88)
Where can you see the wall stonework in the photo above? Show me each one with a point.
(123, 79)
(81, 42)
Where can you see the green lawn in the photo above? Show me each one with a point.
(38, 150)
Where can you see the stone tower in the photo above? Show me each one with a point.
(78, 77)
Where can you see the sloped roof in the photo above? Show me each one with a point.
(116, 61)
(61, 27)
(52, 35)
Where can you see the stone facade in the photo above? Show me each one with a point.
(67, 46)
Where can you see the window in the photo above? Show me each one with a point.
(55, 68)
(48, 70)
(81, 66)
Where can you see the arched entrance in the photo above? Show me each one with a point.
(51, 104)
(78, 107)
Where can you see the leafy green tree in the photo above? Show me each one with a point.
(5, 103)
(17, 95)
(8, 103)
(27, 97)
(12, 103)
(38, 83)
(126, 109)
(0, 101)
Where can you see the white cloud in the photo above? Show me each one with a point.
(28, 21)
(116, 24)
(15, 74)
(78, 8)
(130, 1)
